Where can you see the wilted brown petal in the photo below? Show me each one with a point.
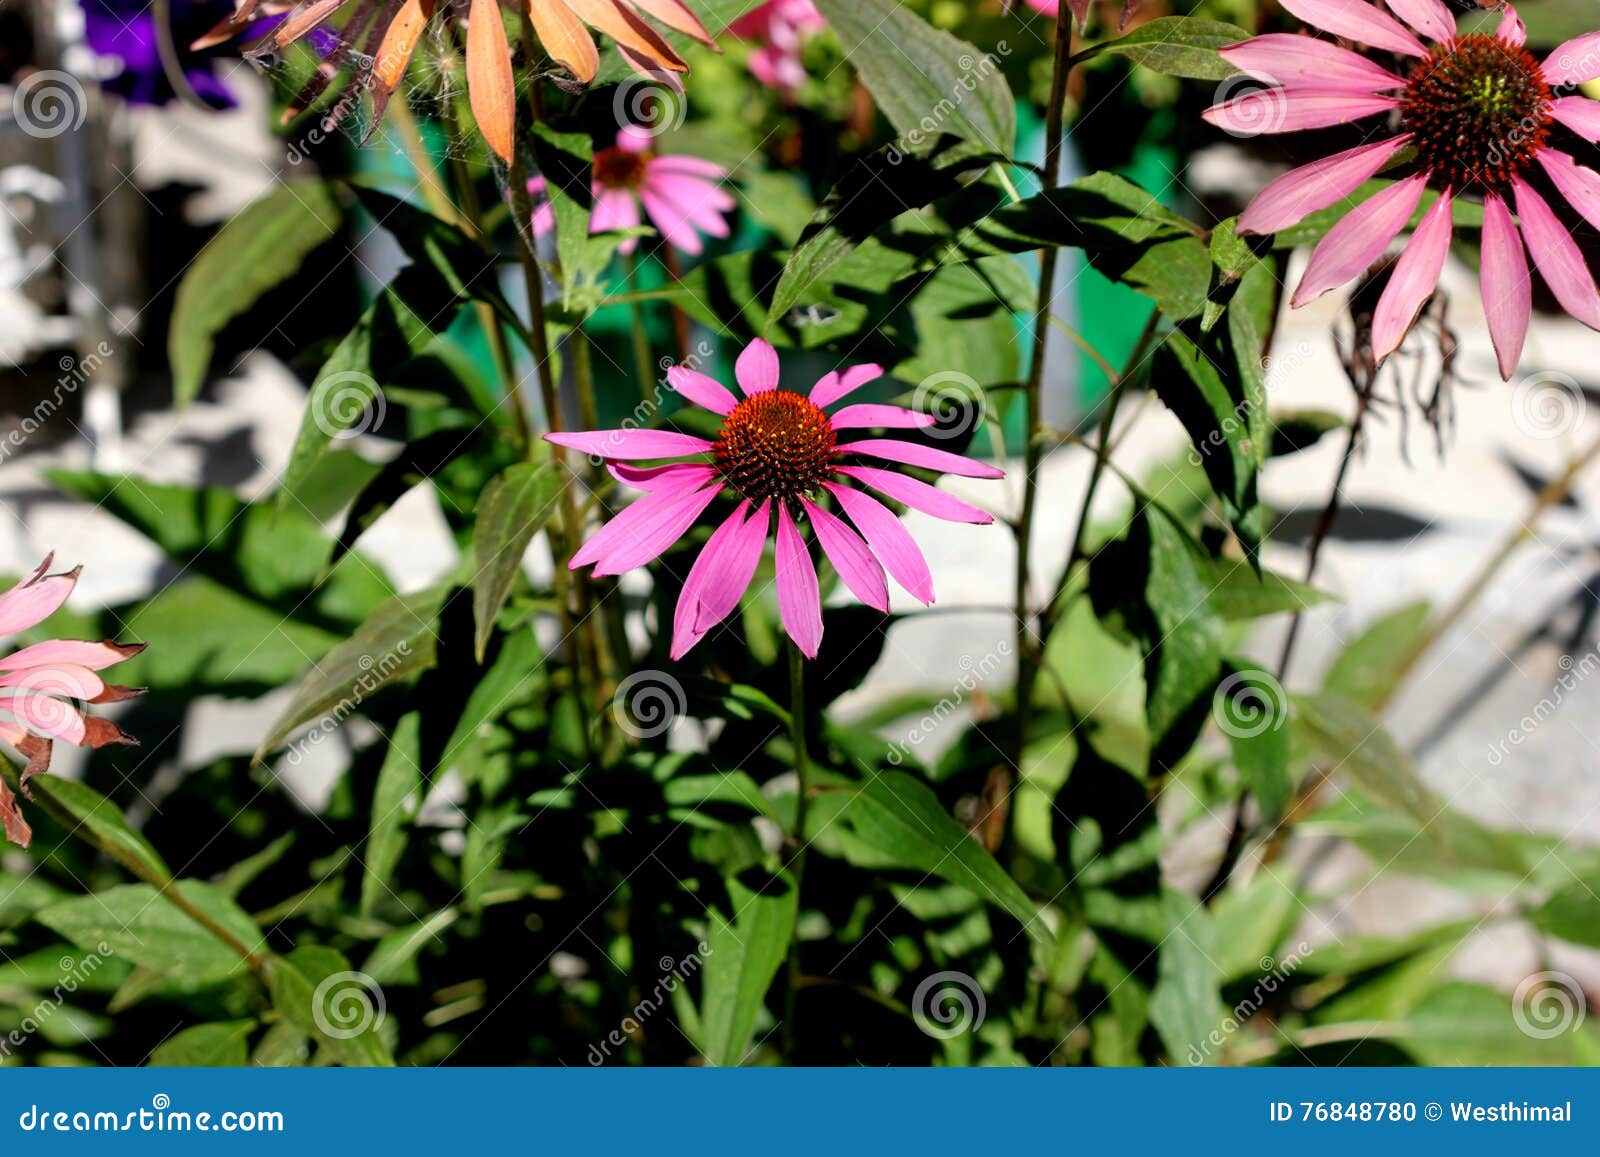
(491, 88)
(565, 38)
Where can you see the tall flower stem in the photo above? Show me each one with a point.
(797, 834)
(644, 366)
(1029, 655)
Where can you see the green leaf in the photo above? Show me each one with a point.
(1302, 429)
(101, 818)
(347, 396)
(136, 922)
(212, 1046)
(1462, 1024)
(1202, 387)
(1186, 1002)
(396, 644)
(416, 463)
(1355, 745)
(1154, 587)
(1250, 921)
(899, 822)
(1241, 592)
(1370, 667)
(1572, 913)
(275, 558)
(262, 247)
(1252, 709)
(395, 801)
(875, 191)
(1183, 46)
(515, 505)
(316, 991)
(1466, 215)
(392, 957)
(925, 81)
(744, 955)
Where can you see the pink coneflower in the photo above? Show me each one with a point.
(781, 28)
(41, 686)
(779, 454)
(1477, 111)
(681, 195)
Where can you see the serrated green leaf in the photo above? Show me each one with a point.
(262, 247)
(136, 922)
(515, 506)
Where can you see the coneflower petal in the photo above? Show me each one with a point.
(1297, 194)
(799, 597)
(851, 557)
(1557, 255)
(1359, 21)
(1360, 238)
(911, 454)
(1415, 277)
(1507, 285)
(888, 538)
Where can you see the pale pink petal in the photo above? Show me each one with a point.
(917, 494)
(634, 522)
(1557, 255)
(702, 390)
(654, 477)
(888, 538)
(1579, 185)
(857, 568)
(614, 209)
(631, 445)
(1512, 29)
(699, 198)
(694, 166)
(1304, 61)
(32, 602)
(719, 577)
(835, 385)
(674, 226)
(1432, 18)
(757, 368)
(66, 680)
(43, 715)
(883, 417)
(1507, 286)
(799, 599)
(544, 214)
(1415, 277)
(633, 139)
(1575, 62)
(1360, 238)
(645, 539)
(95, 656)
(1359, 21)
(910, 454)
(1580, 114)
(1290, 110)
(1297, 194)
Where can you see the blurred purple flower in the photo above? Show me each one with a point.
(124, 31)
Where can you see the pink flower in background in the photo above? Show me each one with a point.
(780, 454)
(1478, 110)
(781, 27)
(41, 687)
(681, 195)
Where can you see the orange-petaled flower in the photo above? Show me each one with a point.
(388, 36)
(42, 686)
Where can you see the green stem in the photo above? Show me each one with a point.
(644, 365)
(57, 811)
(1029, 655)
(797, 835)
